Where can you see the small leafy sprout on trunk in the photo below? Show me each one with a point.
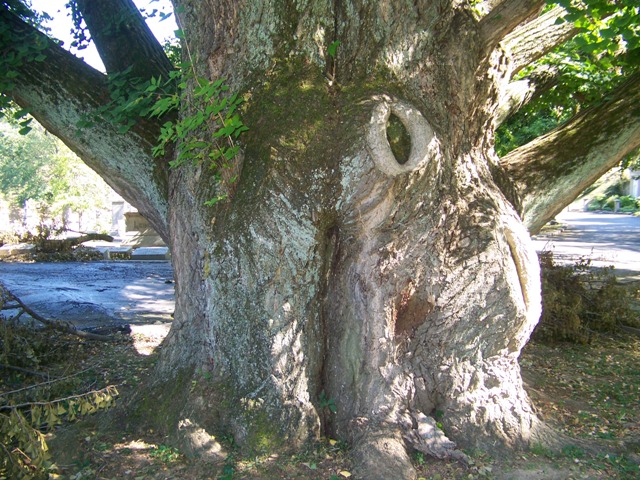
(325, 402)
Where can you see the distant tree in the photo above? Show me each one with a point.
(39, 167)
(315, 263)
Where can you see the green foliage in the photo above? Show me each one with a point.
(578, 300)
(208, 133)
(21, 428)
(604, 53)
(607, 26)
(607, 202)
(333, 48)
(207, 130)
(27, 413)
(166, 454)
(40, 167)
(324, 402)
(526, 125)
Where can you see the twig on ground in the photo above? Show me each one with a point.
(24, 370)
(48, 382)
(62, 326)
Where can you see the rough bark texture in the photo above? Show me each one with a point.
(534, 39)
(123, 39)
(335, 272)
(398, 288)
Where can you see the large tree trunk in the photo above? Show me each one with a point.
(395, 278)
(396, 288)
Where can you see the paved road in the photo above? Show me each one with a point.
(605, 238)
(94, 294)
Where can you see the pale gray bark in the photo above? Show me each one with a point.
(533, 39)
(395, 290)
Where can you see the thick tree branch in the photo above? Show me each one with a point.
(504, 18)
(62, 91)
(534, 39)
(519, 93)
(551, 171)
(123, 38)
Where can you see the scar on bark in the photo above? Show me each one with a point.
(411, 310)
(525, 262)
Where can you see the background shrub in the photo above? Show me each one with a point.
(579, 299)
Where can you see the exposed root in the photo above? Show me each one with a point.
(382, 455)
(427, 438)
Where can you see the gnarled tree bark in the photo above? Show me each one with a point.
(399, 288)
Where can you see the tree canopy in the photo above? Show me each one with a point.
(40, 167)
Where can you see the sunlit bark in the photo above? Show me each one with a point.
(551, 171)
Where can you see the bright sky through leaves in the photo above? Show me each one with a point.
(61, 24)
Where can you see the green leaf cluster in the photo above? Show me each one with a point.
(604, 53)
(21, 426)
(324, 402)
(25, 449)
(206, 131)
(578, 300)
(606, 25)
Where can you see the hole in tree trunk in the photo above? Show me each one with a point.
(399, 139)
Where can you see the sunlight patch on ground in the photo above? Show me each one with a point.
(146, 338)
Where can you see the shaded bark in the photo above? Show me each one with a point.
(554, 169)
(123, 39)
(399, 289)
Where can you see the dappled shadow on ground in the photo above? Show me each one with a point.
(589, 392)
